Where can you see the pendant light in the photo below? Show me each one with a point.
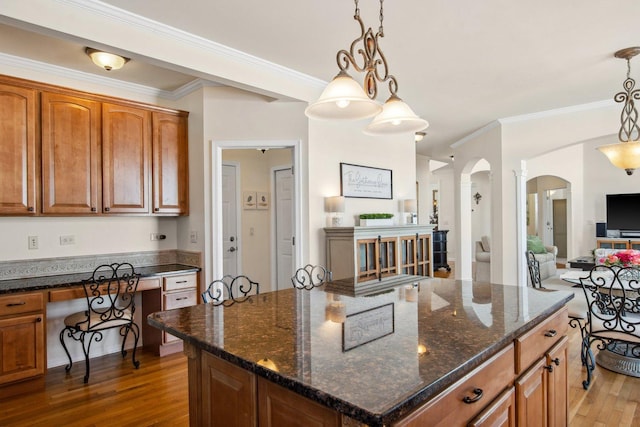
(626, 153)
(345, 99)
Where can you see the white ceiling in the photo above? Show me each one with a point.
(459, 64)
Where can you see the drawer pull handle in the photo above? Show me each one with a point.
(477, 396)
(551, 333)
(15, 304)
(181, 281)
(181, 298)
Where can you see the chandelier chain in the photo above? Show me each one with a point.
(366, 56)
(629, 129)
(381, 29)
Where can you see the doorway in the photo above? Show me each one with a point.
(283, 220)
(255, 239)
(230, 219)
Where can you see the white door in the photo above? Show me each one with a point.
(230, 242)
(284, 202)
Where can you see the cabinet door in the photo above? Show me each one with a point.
(281, 407)
(70, 155)
(408, 254)
(531, 396)
(423, 255)
(126, 145)
(18, 157)
(228, 394)
(170, 164)
(558, 396)
(612, 244)
(367, 259)
(500, 412)
(387, 256)
(22, 349)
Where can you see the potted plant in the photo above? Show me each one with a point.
(369, 219)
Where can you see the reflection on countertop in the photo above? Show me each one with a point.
(371, 354)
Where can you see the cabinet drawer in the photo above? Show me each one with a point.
(183, 281)
(180, 299)
(535, 343)
(21, 303)
(449, 408)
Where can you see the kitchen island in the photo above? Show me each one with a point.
(423, 352)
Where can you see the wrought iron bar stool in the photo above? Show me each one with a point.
(229, 290)
(310, 276)
(110, 305)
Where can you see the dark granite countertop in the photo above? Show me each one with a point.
(66, 280)
(361, 354)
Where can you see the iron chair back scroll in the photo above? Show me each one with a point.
(613, 316)
(310, 276)
(109, 293)
(229, 290)
(534, 270)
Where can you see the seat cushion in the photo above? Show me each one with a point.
(545, 257)
(80, 321)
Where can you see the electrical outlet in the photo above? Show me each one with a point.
(33, 242)
(67, 240)
(194, 236)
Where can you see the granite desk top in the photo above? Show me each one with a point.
(371, 357)
(67, 280)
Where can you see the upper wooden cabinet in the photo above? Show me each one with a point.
(18, 150)
(126, 146)
(70, 154)
(170, 164)
(65, 152)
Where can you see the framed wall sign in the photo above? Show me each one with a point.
(365, 182)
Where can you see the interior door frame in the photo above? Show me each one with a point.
(274, 243)
(216, 186)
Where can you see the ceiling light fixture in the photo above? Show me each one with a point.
(419, 136)
(345, 99)
(626, 153)
(106, 60)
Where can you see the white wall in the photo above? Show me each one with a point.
(331, 143)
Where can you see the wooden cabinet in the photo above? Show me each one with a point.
(619, 243)
(22, 343)
(374, 253)
(177, 291)
(170, 164)
(226, 386)
(18, 150)
(88, 154)
(524, 384)
(467, 398)
(278, 406)
(228, 395)
(542, 390)
(70, 154)
(126, 155)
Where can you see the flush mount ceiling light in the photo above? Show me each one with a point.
(419, 136)
(345, 99)
(626, 153)
(106, 60)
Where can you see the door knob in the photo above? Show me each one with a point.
(231, 239)
(232, 249)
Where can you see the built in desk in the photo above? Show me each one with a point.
(425, 351)
(23, 317)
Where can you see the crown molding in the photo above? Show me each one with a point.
(559, 111)
(50, 69)
(109, 12)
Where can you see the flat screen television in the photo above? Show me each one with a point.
(623, 212)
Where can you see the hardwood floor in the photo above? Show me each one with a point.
(156, 395)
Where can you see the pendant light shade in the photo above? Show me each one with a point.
(623, 155)
(396, 117)
(343, 99)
